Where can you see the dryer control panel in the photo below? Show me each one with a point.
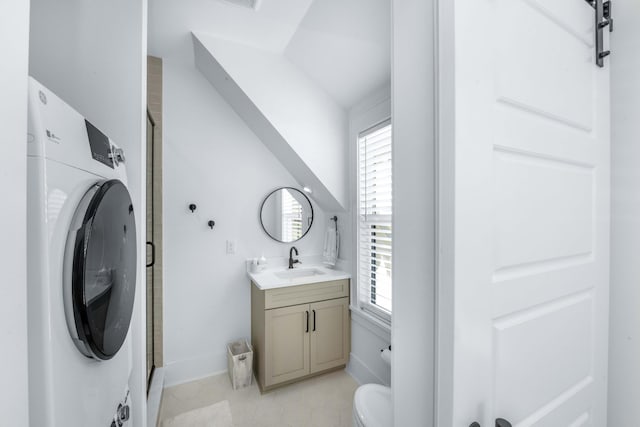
(100, 145)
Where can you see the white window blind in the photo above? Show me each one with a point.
(291, 218)
(374, 219)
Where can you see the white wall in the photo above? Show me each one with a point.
(413, 100)
(14, 44)
(368, 336)
(99, 68)
(624, 333)
(212, 159)
(260, 124)
(308, 120)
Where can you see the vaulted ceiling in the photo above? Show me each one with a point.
(292, 69)
(343, 45)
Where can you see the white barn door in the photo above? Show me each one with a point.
(524, 211)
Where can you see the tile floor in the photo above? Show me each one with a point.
(323, 401)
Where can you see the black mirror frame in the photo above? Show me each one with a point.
(265, 200)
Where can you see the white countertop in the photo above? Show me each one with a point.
(267, 279)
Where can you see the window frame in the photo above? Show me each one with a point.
(361, 302)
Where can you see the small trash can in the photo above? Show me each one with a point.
(240, 363)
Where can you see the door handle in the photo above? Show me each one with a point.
(314, 320)
(153, 254)
(500, 422)
(307, 321)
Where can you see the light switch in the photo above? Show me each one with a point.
(231, 247)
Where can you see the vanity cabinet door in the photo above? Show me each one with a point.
(330, 338)
(287, 333)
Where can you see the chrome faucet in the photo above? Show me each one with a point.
(291, 260)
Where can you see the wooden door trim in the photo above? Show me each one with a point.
(154, 109)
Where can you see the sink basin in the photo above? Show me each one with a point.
(298, 272)
(280, 276)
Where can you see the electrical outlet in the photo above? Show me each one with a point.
(231, 247)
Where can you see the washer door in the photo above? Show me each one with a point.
(103, 276)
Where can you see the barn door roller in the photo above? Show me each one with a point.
(602, 20)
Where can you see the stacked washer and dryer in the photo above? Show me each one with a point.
(81, 269)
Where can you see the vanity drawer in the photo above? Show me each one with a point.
(303, 294)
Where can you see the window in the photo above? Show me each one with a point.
(374, 219)
(291, 218)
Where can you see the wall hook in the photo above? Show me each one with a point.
(211, 223)
(192, 207)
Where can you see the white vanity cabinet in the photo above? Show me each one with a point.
(299, 331)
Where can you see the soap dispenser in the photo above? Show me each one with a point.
(254, 265)
(262, 263)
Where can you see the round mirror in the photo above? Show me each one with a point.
(286, 214)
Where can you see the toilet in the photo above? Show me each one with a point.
(372, 406)
(372, 403)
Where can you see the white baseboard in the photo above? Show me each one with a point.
(154, 397)
(183, 371)
(361, 372)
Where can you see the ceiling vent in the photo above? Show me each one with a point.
(248, 4)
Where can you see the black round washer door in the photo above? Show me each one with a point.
(104, 270)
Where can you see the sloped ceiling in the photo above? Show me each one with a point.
(345, 46)
(299, 122)
(270, 27)
(339, 48)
